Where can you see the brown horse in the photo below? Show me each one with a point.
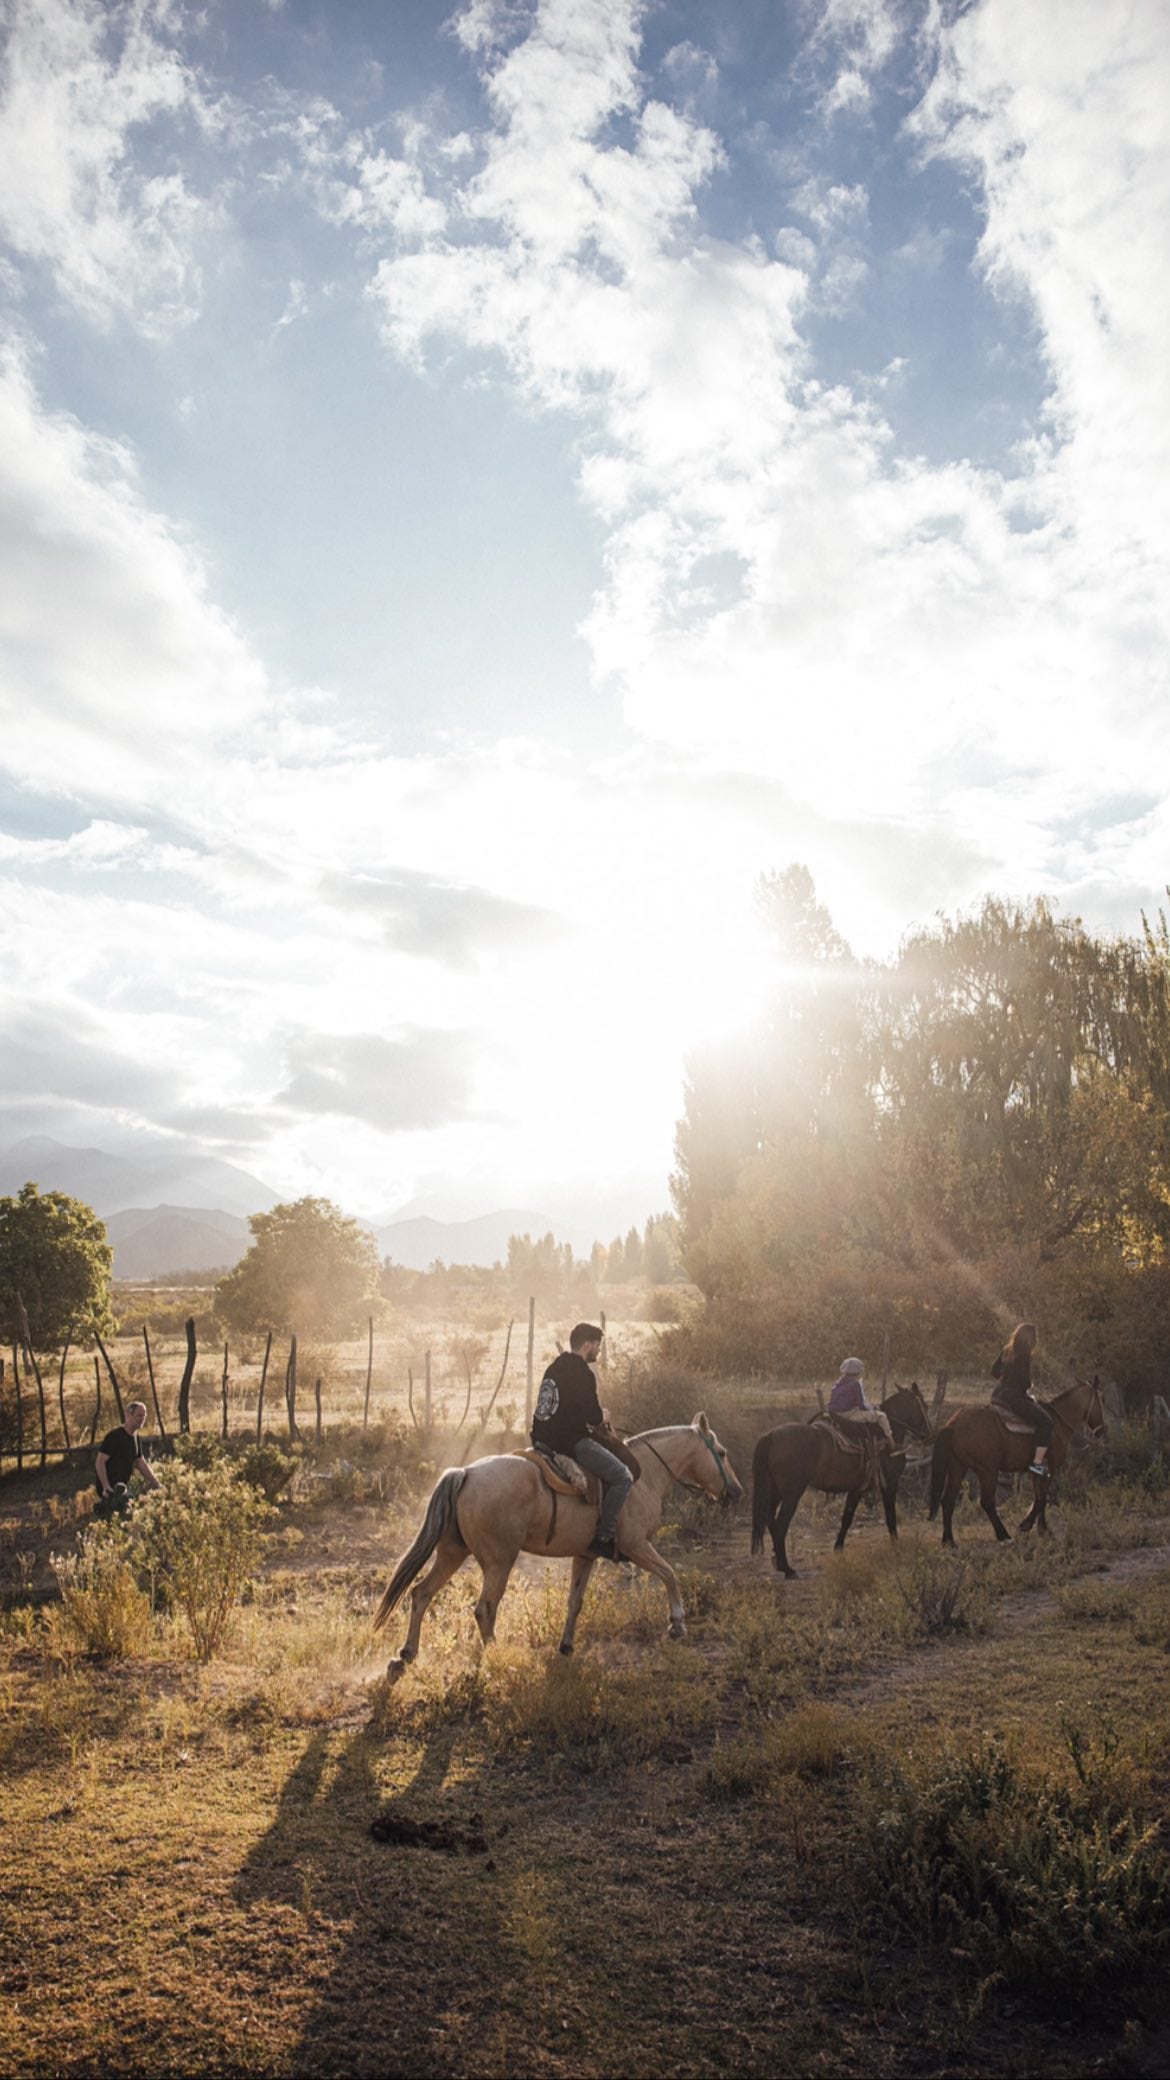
(976, 1440)
(497, 1508)
(806, 1455)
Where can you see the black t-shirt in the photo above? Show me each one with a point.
(123, 1452)
(567, 1404)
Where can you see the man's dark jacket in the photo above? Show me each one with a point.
(567, 1406)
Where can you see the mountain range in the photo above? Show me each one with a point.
(188, 1213)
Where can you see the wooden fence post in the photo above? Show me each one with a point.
(158, 1414)
(61, 1395)
(528, 1382)
(317, 1399)
(486, 1416)
(185, 1382)
(19, 1410)
(30, 1357)
(224, 1390)
(113, 1377)
(427, 1398)
(260, 1395)
(97, 1406)
(369, 1375)
(290, 1391)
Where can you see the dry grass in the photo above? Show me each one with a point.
(676, 1837)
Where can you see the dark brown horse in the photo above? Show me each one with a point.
(806, 1455)
(976, 1440)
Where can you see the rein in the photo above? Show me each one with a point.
(694, 1487)
(1083, 1422)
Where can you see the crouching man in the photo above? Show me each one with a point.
(119, 1458)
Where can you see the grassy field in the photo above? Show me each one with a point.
(903, 1815)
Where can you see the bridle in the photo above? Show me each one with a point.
(1095, 1430)
(694, 1486)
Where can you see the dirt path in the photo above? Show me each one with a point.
(1014, 1614)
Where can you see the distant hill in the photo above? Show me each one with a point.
(417, 1243)
(116, 1184)
(153, 1242)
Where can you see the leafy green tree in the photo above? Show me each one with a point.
(309, 1269)
(54, 1253)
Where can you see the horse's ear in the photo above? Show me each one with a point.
(701, 1424)
(916, 1389)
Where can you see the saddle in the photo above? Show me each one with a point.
(562, 1474)
(863, 1441)
(1011, 1422)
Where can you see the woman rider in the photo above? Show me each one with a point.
(1012, 1372)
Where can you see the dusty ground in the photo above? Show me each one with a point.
(561, 1882)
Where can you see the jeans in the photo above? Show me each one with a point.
(616, 1481)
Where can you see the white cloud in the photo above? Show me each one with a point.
(105, 621)
(82, 81)
(887, 620)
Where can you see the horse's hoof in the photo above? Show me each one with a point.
(676, 1629)
(565, 1648)
(396, 1669)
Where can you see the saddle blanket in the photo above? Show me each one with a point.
(563, 1474)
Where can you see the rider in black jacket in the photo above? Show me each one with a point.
(567, 1411)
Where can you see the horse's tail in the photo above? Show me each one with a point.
(440, 1517)
(940, 1466)
(763, 1495)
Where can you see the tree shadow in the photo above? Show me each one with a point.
(366, 1922)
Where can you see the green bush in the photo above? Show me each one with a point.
(1048, 1887)
(200, 1538)
(266, 1468)
(201, 1451)
(102, 1611)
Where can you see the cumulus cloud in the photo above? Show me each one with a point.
(441, 921)
(81, 82)
(420, 1080)
(106, 623)
(891, 627)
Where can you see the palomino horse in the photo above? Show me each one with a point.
(806, 1455)
(499, 1507)
(976, 1440)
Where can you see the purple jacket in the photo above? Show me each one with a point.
(847, 1394)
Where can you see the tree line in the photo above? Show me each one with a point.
(934, 1146)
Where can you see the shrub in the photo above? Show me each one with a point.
(103, 1611)
(663, 1304)
(944, 1594)
(201, 1451)
(1044, 1885)
(200, 1537)
(266, 1468)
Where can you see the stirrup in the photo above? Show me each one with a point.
(1040, 1469)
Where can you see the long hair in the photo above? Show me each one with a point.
(1021, 1343)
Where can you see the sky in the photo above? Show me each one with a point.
(479, 488)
